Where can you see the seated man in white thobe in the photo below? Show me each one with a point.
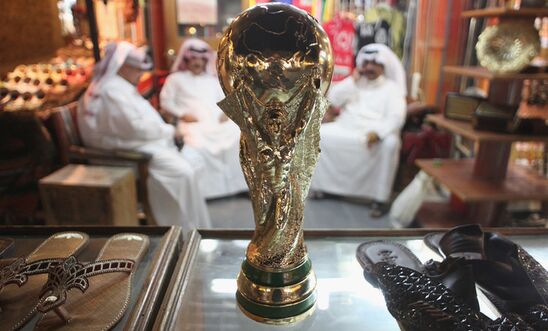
(191, 93)
(113, 115)
(360, 149)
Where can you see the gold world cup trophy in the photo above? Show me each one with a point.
(275, 66)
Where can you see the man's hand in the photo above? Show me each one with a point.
(188, 118)
(223, 118)
(330, 114)
(178, 134)
(372, 139)
(178, 139)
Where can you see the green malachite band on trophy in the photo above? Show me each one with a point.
(276, 279)
(276, 312)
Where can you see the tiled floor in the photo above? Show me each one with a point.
(326, 213)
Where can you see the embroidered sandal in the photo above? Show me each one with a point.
(103, 287)
(22, 279)
(511, 278)
(434, 296)
(417, 301)
(5, 245)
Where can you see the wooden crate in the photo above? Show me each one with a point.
(90, 195)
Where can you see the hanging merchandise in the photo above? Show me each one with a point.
(382, 25)
(328, 10)
(306, 5)
(131, 10)
(107, 15)
(317, 9)
(322, 10)
(341, 33)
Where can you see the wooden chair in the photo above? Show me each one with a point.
(27, 153)
(71, 150)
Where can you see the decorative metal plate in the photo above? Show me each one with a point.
(507, 47)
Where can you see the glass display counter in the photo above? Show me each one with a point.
(201, 295)
(150, 280)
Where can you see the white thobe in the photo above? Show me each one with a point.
(347, 166)
(216, 142)
(120, 118)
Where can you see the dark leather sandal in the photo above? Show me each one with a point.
(432, 296)
(104, 287)
(417, 301)
(22, 279)
(509, 322)
(511, 278)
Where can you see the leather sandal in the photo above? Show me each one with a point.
(511, 278)
(417, 301)
(5, 245)
(422, 300)
(104, 287)
(21, 279)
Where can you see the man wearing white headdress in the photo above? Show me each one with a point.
(360, 149)
(113, 115)
(191, 93)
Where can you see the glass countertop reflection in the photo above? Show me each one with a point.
(345, 301)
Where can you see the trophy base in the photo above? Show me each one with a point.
(274, 311)
(277, 297)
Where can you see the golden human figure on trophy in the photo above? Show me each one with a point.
(275, 66)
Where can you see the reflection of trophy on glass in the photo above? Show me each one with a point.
(275, 65)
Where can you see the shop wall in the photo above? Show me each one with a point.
(170, 19)
(439, 40)
(173, 39)
(31, 31)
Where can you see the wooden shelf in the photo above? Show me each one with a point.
(466, 130)
(505, 12)
(457, 176)
(439, 215)
(480, 72)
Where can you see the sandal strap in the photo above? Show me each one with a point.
(463, 241)
(18, 271)
(73, 274)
